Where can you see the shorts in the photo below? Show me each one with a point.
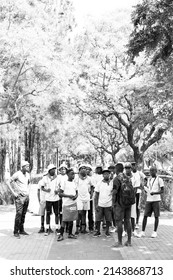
(42, 208)
(122, 213)
(150, 207)
(83, 205)
(104, 212)
(55, 205)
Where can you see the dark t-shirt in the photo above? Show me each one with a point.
(116, 188)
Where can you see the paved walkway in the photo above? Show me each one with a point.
(39, 247)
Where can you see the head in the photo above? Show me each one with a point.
(134, 166)
(70, 174)
(111, 168)
(51, 169)
(25, 167)
(83, 170)
(128, 168)
(153, 171)
(63, 170)
(106, 175)
(119, 168)
(98, 170)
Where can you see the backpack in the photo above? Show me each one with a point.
(127, 192)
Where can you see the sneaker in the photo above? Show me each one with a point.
(60, 238)
(72, 236)
(17, 235)
(128, 244)
(124, 233)
(50, 230)
(47, 232)
(141, 234)
(57, 231)
(97, 234)
(24, 232)
(84, 231)
(154, 234)
(117, 245)
(112, 229)
(41, 230)
(77, 232)
(107, 234)
(137, 226)
(135, 234)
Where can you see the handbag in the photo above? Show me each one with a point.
(69, 212)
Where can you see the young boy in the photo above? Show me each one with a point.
(103, 202)
(69, 193)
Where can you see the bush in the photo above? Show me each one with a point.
(5, 194)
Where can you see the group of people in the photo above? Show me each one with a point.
(109, 197)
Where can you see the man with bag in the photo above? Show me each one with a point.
(69, 194)
(123, 198)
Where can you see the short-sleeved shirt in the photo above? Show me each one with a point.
(137, 179)
(84, 188)
(68, 188)
(154, 185)
(52, 183)
(21, 182)
(105, 193)
(61, 179)
(42, 193)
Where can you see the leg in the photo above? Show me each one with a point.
(156, 223)
(137, 208)
(19, 210)
(90, 217)
(83, 221)
(144, 223)
(48, 213)
(25, 207)
(129, 232)
(78, 221)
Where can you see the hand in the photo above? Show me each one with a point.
(152, 193)
(74, 197)
(56, 192)
(49, 190)
(97, 208)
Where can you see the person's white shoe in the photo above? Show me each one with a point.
(154, 234)
(135, 233)
(137, 226)
(141, 234)
(112, 229)
(124, 233)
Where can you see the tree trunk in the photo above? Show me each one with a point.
(29, 144)
(3, 151)
(38, 141)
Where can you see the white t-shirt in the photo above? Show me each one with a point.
(154, 185)
(84, 188)
(61, 179)
(68, 188)
(21, 182)
(52, 183)
(96, 178)
(42, 193)
(137, 179)
(105, 193)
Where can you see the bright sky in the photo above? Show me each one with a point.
(98, 7)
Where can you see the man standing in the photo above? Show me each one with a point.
(51, 188)
(19, 186)
(121, 211)
(138, 181)
(154, 189)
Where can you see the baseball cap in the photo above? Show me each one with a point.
(106, 170)
(51, 166)
(82, 165)
(127, 165)
(63, 165)
(24, 163)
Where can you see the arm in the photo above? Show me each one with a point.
(62, 194)
(38, 195)
(9, 183)
(96, 199)
(159, 192)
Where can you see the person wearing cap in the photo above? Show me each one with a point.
(90, 211)
(121, 213)
(49, 185)
(42, 207)
(154, 189)
(62, 177)
(19, 186)
(85, 193)
(103, 202)
(138, 182)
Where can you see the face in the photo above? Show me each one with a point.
(26, 168)
(128, 170)
(71, 175)
(83, 171)
(134, 167)
(63, 170)
(106, 176)
(88, 170)
(153, 172)
(52, 172)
